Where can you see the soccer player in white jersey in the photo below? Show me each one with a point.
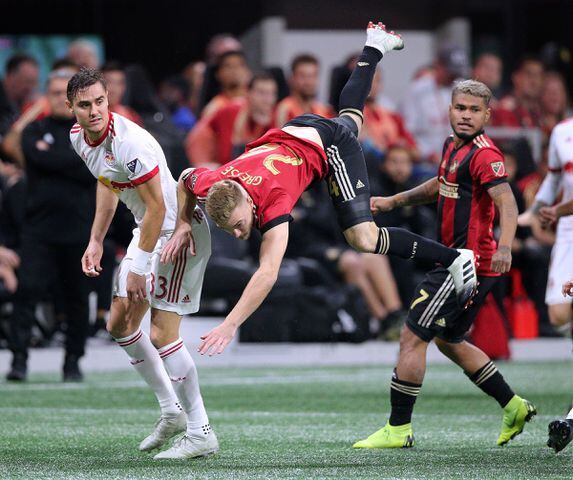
(131, 167)
(558, 178)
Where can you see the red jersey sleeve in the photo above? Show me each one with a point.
(276, 210)
(198, 182)
(488, 168)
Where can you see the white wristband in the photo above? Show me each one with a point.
(141, 262)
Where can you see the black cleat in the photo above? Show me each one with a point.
(19, 370)
(560, 434)
(72, 372)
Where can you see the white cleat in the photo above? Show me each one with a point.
(464, 276)
(191, 447)
(165, 428)
(377, 37)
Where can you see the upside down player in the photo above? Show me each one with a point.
(260, 188)
(470, 181)
(131, 167)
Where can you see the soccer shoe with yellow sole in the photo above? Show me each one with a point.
(190, 447)
(400, 436)
(560, 434)
(165, 428)
(515, 414)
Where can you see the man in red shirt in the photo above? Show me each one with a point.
(304, 87)
(471, 182)
(221, 137)
(260, 188)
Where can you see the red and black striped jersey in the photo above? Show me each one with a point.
(465, 210)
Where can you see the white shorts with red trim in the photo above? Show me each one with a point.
(174, 287)
(560, 271)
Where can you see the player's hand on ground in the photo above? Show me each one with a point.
(91, 259)
(181, 238)
(547, 216)
(136, 287)
(381, 204)
(525, 219)
(501, 260)
(567, 288)
(214, 342)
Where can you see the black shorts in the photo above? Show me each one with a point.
(347, 177)
(434, 311)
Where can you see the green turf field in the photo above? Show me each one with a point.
(283, 423)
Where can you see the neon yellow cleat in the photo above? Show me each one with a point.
(400, 436)
(515, 414)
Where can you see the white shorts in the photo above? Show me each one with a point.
(175, 287)
(560, 271)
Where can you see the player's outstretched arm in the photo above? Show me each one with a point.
(504, 200)
(427, 192)
(272, 251)
(106, 204)
(182, 235)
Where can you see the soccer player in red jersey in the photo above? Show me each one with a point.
(260, 188)
(471, 182)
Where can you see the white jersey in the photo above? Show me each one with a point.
(560, 162)
(127, 156)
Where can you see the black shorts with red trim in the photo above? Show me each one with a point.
(435, 312)
(347, 177)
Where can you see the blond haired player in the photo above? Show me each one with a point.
(131, 167)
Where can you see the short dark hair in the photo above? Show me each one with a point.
(232, 53)
(261, 77)
(64, 64)
(85, 78)
(527, 58)
(301, 59)
(112, 66)
(15, 61)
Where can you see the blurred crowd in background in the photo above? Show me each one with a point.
(204, 116)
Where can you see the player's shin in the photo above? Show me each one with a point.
(183, 375)
(146, 361)
(491, 381)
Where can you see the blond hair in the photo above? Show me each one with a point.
(222, 199)
(473, 88)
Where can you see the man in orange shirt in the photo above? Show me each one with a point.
(222, 136)
(304, 87)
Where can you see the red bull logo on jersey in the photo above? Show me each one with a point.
(109, 159)
(449, 189)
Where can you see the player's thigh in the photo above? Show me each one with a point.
(434, 306)
(560, 271)
(176, 287)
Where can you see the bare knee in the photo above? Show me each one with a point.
(164, 328)
(559, 314)
(123, 320)
(409, 341)
(362, 237)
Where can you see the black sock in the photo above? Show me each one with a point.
(402, 398)
(408, 245)
(492, 382)
(358, 86)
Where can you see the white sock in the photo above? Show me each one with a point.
(183, 375)
(146, 361)
(570, 415)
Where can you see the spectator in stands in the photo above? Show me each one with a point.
(488, 69)
(83, 53)
(232, 75)
(116, 85)
(16, 89)
(395, 175)
(315, 234)
(222, 136)
(425, 107)
(382, 129)
(194, 74)
(303, 90)
(521, 107)
(220, 44)
(174, 93)
(59, 211)
(554, 102)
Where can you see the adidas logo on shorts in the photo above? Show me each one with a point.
(186, 299)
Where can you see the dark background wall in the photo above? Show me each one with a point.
(166, 34)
